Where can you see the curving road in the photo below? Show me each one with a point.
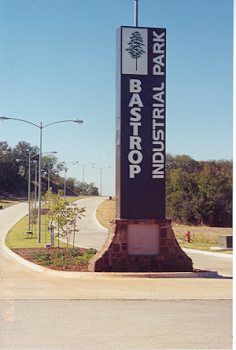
(212, 261)
(45, 309)
(26, 280)
(91, 234)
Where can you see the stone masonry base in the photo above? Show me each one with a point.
(118, 254)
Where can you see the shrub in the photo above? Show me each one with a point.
(64, 258)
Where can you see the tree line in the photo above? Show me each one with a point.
(14, 171)
(199, 192)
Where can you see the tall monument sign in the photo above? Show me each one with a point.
(141, 238)
(141, 109)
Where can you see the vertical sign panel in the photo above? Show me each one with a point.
(141, 110)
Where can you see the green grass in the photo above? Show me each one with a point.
(200, 241)
(203, 237)
(17, 237)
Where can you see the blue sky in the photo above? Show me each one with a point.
(58, 61)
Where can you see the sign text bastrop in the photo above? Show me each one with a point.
(141, 111)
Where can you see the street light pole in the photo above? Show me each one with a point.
(65, 170)
(48, 179)
(101, 181)
(83, 166)
(35, 183)
(29, 184)
(101, 169)
(29, 179)
(40, 182)
(40, 127)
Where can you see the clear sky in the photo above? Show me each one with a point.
(58, 61)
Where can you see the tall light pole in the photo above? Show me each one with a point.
(53, 152)
(48, 179)
(65, 171)
(29, 179)
(83, 166)
(35, 182)
(41, 127)
(64, 164)
(101, 169)
(29, 183)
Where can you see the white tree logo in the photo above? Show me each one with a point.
(135, 47)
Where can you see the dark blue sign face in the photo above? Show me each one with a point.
(141, 110)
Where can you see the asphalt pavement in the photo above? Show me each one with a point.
(118, 325)
(91, 233)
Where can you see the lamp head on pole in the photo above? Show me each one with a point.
(78, 121)
(4, 118)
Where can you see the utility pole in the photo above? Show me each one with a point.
(136, 13)
(29, 190)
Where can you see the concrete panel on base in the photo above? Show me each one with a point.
(143, 239)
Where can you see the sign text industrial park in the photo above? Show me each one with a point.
(141, 115)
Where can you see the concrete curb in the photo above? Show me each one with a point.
(204, 252)
(108, 275)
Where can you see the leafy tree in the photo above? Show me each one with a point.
(49, 165)
(184, 162)
(214, 202)
(71, 185)
(21, 152)
(182, 188)
(87, 189)
(58, 214)
(4, 148)
(199, 192)
(10, 178)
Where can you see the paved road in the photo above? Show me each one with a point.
(91, 234)
(118, 324)
(212, 261)
(10, 216)
(45, 310)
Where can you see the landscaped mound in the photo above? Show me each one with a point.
(64, 259)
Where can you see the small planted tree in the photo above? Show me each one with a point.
(65, 218)
(73, 214)
(58, 215)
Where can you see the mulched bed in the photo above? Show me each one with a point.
(27, 253)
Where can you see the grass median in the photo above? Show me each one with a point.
(27, 246)
(18, 238)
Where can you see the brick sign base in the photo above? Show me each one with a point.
(123, 253)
